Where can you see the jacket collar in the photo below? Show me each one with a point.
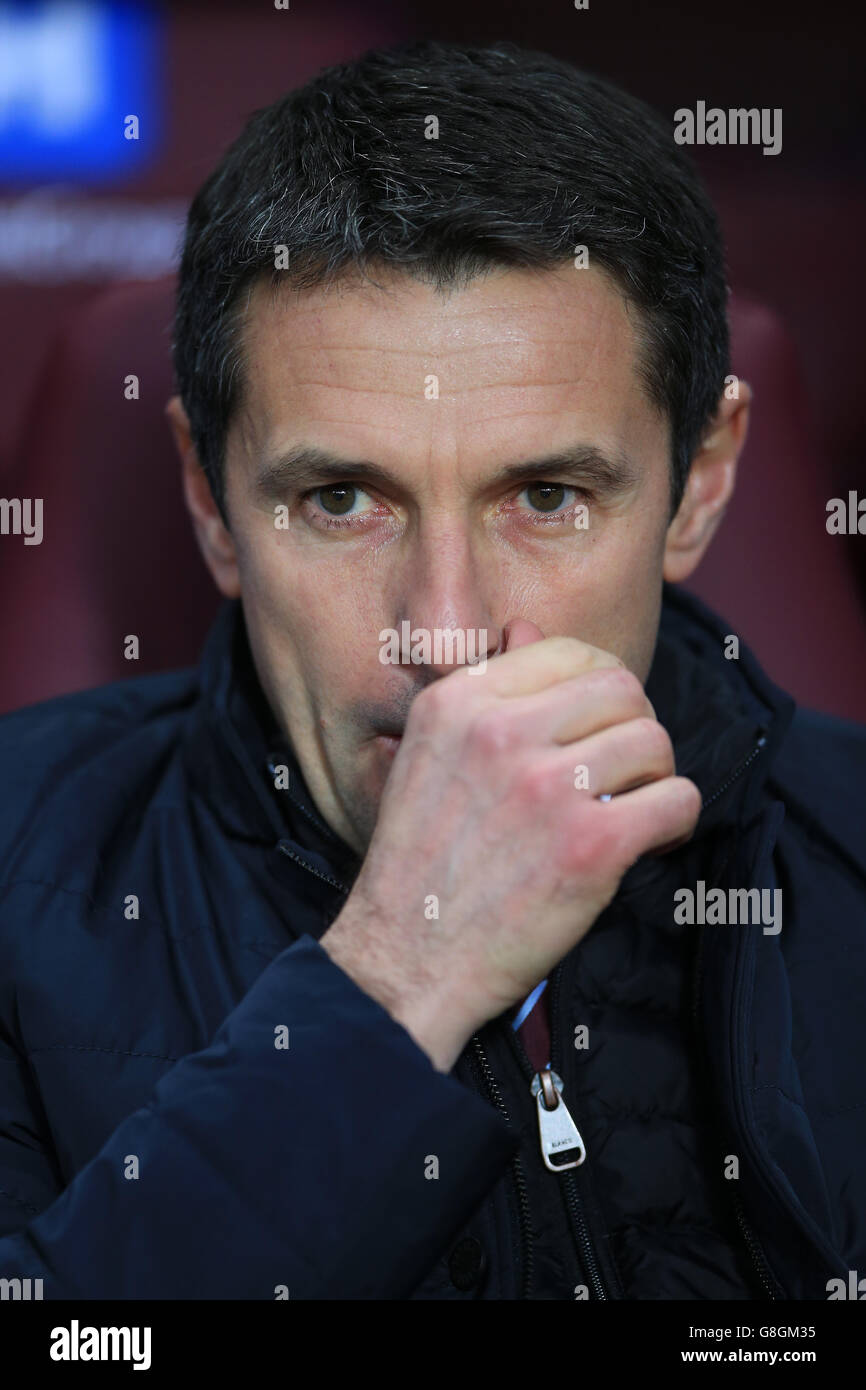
(234, 751)
(726, 720)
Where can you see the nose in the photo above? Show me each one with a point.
(445, 618)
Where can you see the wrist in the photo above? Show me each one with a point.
(432, 1014)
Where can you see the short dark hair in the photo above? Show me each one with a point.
(533, 158)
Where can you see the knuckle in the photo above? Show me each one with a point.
(533, 783)
(690, 798)
(491, 732)
(624, 682)
(654, 738)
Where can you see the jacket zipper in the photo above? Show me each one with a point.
(752, 1244)
(723, 787)
(560, 1136)
(489, 1083)
(495, 1094)
(737, 772)
(572, 1193)
(284, 847)
(755, 1249)
(546, 1082)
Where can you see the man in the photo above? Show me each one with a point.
(450, 349)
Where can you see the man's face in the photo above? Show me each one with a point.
(431, 531)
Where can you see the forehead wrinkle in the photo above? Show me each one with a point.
(523, 316)
(392, 389)
(524, 389)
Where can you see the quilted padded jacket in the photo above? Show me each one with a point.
(196, 1102)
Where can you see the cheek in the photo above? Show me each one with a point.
(634, 592)
(314, 623)
(610, 596)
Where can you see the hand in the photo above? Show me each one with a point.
(488, 864)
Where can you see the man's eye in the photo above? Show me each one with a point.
(337, 499)
(547, 497)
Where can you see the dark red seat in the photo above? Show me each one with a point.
(785, 585)
(118, 555)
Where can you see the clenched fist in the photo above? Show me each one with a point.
(492, 811)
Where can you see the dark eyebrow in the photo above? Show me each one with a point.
(307, 466)
(609, 474)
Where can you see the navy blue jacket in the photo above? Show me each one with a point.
(162, 904)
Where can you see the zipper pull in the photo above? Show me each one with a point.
(559, 1135)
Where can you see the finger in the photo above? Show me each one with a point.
(575, 709)
(625, 756)
(590, 703)
(655, 817)
(520, 632)
(542, 663)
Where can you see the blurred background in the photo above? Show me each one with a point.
(91, 212)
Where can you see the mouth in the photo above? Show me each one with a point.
(389, 743)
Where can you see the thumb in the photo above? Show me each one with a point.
(520, 632)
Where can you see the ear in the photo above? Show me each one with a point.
(212, 534)
(709, 487)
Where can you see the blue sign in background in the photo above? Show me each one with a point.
(71, 72)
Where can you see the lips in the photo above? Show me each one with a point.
(390, 742)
